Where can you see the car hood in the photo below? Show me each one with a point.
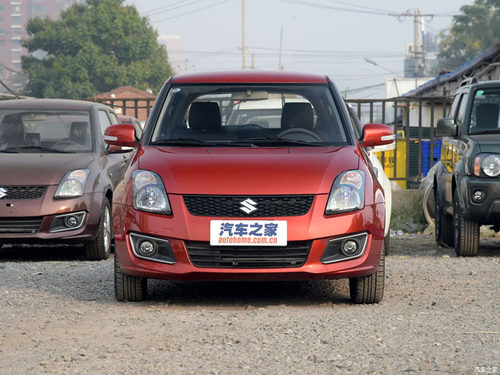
(244, 171)
(39, 169)
(487, 142)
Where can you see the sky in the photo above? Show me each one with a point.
(327, 37)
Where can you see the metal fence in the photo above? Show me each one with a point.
(413, 118)
(136, 107)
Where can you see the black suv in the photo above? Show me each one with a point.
(467, 180)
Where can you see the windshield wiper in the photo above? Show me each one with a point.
(10, 151)
(198, 142)
(486, 131)
(284, 142)
(47, 149)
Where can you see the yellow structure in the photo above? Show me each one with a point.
(388, 160)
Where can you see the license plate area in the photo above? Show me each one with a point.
(248, 233)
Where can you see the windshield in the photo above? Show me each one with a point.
(27, 131)
(252, 115)
(485, 112)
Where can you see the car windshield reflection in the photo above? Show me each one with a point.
(45, 132)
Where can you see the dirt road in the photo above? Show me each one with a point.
(440, 314)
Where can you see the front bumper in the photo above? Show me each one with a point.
(314, 227)
(33, 220)
(488, 210)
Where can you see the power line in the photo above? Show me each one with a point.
(352, 10)
(358, 6)
(173, 7)
(398, 15)
(148, 12)
(193, 11)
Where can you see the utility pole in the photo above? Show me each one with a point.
(280, 67)
(244, 34)
(416, 52)
(422, 28)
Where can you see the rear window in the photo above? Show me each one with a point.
(292, 115)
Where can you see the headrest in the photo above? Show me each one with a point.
(487, 116)
(297, 115)
(33, 139)
(79, 131)
(204, 116)
(12, 129)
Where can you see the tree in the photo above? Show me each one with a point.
(474, 30)
(93, 47)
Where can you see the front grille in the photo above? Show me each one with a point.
(229, 206)
(293, 255)
(21, 225)
(23, 192)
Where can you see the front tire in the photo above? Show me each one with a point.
(466, 232)
(369, 289)
(443, 225)
(100, 247)
(129, 288)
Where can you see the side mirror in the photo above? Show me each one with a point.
(446, 127)
(376, 135)
(122, 135)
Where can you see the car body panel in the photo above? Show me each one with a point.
(248, 171)
(248, 77)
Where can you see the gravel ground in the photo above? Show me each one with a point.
(440, 314)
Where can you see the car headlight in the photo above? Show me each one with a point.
(348, 192)
(489, 163)
(149, 194)
(72, 184)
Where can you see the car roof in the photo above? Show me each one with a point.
(127, 117)
(43, 104)
(487, 84)
(249, 77)
(479, 84)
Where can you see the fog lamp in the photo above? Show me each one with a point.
(344, 248)
(66, 222)
(349, 248)
(478, 196)
(146, 248)
(152, 248)
(71, 221)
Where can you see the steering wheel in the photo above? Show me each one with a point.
(65, 143)
(299, 131)
(250, 126)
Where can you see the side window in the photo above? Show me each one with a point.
(113, 117)
(138, 130)
(104, 121)
(459, 120)
(355, 122)
(454, 106)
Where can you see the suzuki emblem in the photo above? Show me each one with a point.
(3, 192)
(248, 206)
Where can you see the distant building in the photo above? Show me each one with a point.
(395, 87)
(14, 15)
(128, 100)
(485, 67)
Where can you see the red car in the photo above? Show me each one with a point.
(208, 199)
